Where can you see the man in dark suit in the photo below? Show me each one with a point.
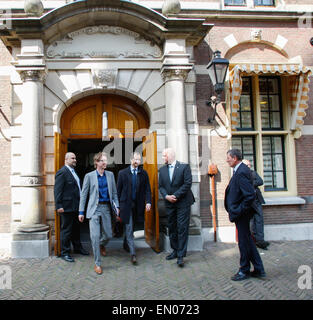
(66, 195)
(134, 192)
(239, 197)
(175, 182)
(257, 222)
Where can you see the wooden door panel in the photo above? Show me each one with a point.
(60, 149)
(84, 122)
(152, 234)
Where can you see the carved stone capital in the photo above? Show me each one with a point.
(175, 74)
(32, 75)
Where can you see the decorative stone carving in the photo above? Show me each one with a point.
(175, 74)
(171, 7)
(103, 42)
(28, 181)
(33, 7)
(256, 35)
(104, 77)
(32, 75)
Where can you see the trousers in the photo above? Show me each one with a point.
(100, 230)
(69, 232)
(178, 227)
(248, 251)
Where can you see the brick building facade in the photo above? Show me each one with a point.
(268, 46)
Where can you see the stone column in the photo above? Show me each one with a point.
(176, 124)
(31, 238)
(175, 69)
(33, 218)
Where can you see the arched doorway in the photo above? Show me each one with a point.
(117, 126)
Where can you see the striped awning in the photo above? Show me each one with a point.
(298, 86)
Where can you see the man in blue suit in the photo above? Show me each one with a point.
(134, 193)
(239, 197)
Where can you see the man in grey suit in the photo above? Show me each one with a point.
(175, 182)
(101, 187)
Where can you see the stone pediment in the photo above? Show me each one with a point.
(103, 42)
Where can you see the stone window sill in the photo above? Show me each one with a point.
(282, 201)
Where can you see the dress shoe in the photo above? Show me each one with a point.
(180, 262)
(262, 244)
(133, 259)
(258, 274)
(125, 246)
(82, 251)
(103, 251)
(240, 276)
(97, 269)
(67, 258)
(171, 256)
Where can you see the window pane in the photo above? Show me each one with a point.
(264, 103)
(235, 2)
(264, 2)
(236, 143)
(274, 163)
(246, 120)
(274, 103)
(245, 86)
(272, 86)
(267, 162)
(245, 103)
(268, 180)
(278, 162)
(275, 120)
(246, 108)
(265, 117)
(270, 103)
(246, 145)
(266, 143)
(279, 180)
(276, 144)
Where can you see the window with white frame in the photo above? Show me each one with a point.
(261, 134)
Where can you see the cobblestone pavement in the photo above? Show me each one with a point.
(206, 276)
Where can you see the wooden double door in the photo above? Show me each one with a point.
(82, 133)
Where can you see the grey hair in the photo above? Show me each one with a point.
(235, 153)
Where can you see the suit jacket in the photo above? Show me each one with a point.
(124, 191)
(239, 194)
(257, 181)
(66, 191)
(180, 185)
(91, 188)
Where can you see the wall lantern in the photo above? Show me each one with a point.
(217, 69)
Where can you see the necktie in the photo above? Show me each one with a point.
(171, 171)
(134, 180)
(76, 178)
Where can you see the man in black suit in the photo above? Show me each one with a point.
(175, 182)
(66, 196)
(134, 193)
(239, 197)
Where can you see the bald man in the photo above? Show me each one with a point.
(67, 189)
(175, 182)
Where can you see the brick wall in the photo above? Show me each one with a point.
(297, 45)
